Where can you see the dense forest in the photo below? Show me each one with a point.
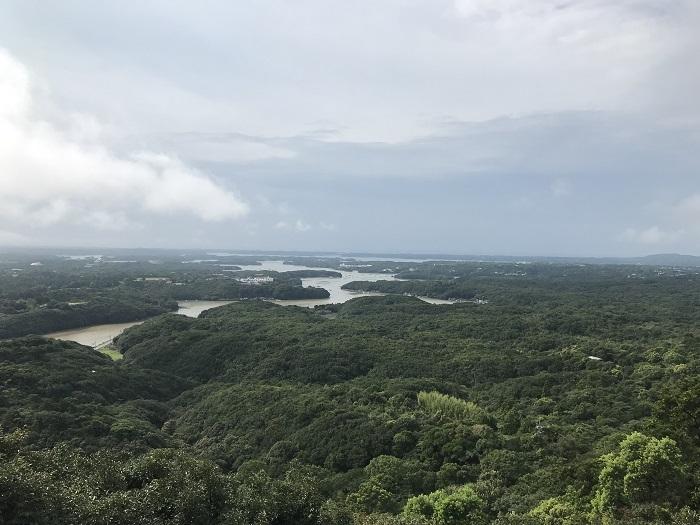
(521, 283)
(568, 396)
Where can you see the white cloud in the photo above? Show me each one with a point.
(689, 208)
(224, 148)
(50, 176)
(561, 188)
(11, 238)
(495, 9)
(682, 223)
(686, 214)
(301, 226)
(297, 226)
(367, 70)
(652, 235)
(114, 222)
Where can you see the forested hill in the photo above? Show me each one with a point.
(572, 407)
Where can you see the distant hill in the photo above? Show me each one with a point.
(252, 256)
(671, 259)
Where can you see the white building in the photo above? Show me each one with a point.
(255, 280)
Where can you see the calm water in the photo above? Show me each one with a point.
(332, 284)
(99, 335)
(194, 308)
(96, 335)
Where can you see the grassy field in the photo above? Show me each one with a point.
(110, 351)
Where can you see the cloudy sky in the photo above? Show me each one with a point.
(550, 127)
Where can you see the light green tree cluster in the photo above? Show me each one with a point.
(450, 407)
(447, 507)
(646, 472)
(562, 510)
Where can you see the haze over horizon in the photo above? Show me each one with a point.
(502, 127)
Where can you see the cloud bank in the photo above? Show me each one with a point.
(58, 173)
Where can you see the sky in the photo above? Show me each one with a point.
(512, 127)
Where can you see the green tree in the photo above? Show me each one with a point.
(450, 407)
(644, 470)
(448, 507)
(562, 510)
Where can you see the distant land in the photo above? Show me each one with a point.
(658, 259)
